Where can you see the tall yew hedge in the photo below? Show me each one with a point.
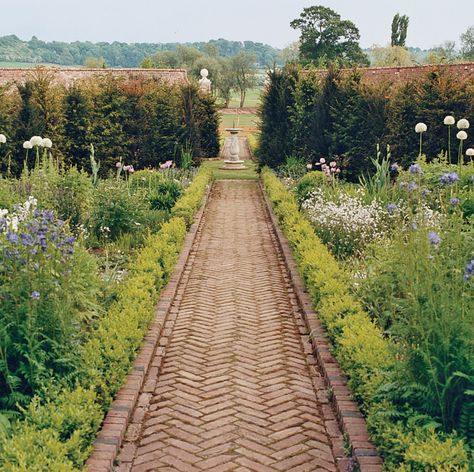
(144, 123)
(340, 116)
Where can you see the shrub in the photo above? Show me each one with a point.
(116, 211)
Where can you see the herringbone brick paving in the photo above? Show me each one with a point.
(234, 386)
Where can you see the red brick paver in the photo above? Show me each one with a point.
(234, 385)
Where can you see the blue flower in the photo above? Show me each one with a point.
(12, 238)
(27, 239)
(394, 167)
(35, 295)
(414, 226)
(391, 207)
(449, 178)
(454, 201)
(469, 270)
(412, 186)
(434, 239)
(415, 169)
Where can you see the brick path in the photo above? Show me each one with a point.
(234, 385)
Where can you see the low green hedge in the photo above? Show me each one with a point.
(60, 426)
(365, 355)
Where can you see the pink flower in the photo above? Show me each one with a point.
(166, 165)
(118, 165)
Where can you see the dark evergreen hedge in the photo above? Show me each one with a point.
(340, 117)
(143, 123)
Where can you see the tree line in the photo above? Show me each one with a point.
(118, 54)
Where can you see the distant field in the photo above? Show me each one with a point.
(252, 99)
(248, 121)
(29, 65)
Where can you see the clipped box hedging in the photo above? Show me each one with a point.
(59, 427)
(364, 353)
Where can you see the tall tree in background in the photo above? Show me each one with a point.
(244, 71)
(399, 30)
(326, 38)
(467, 44)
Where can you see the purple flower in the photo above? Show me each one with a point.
(469, 270)
(454, 201)
(35, 295)
(449, 178)
(391, 207)
(415, 169)
(402, 184)
(414, 226)
(27, 239)
(394, 167)
(12, 238)
(412, 186)
(434, 239)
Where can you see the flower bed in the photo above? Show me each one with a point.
(60, 424)
(365, 354)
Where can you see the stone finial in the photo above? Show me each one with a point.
(204, 82)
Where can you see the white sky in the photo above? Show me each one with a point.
(267, 21)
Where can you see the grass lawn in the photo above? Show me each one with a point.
(221, 174)
(247, 120)
(252, 98)
(28, 65)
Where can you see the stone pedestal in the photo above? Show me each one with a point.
(234, 162)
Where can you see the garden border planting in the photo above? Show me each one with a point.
(60, 426)
(365, 355)
(349, 416)
(117, 420)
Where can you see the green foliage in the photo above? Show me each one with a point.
(13, 49)
(406, 440)
(142, 123)
(47, 287)
(341, 117)
(275, 125)
(326, 38)
(399, 30)
(293, 168)
(60, 425)
(116, 211)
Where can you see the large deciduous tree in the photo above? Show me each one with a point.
(326, 38)
(244, 71)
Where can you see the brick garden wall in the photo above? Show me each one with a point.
(68, 76)
(402, 74)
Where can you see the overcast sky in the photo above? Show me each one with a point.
(267, 21)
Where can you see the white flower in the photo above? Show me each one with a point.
(333, 164)
(3, 212)
(463, 124)
(470, 152)
(36, 140)
(449, 120)
(322, 160)
(3, 139)
(14, 223)
(47, 143)
(309, 166)
(462, 135)
(27, 145)
(421, 128)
